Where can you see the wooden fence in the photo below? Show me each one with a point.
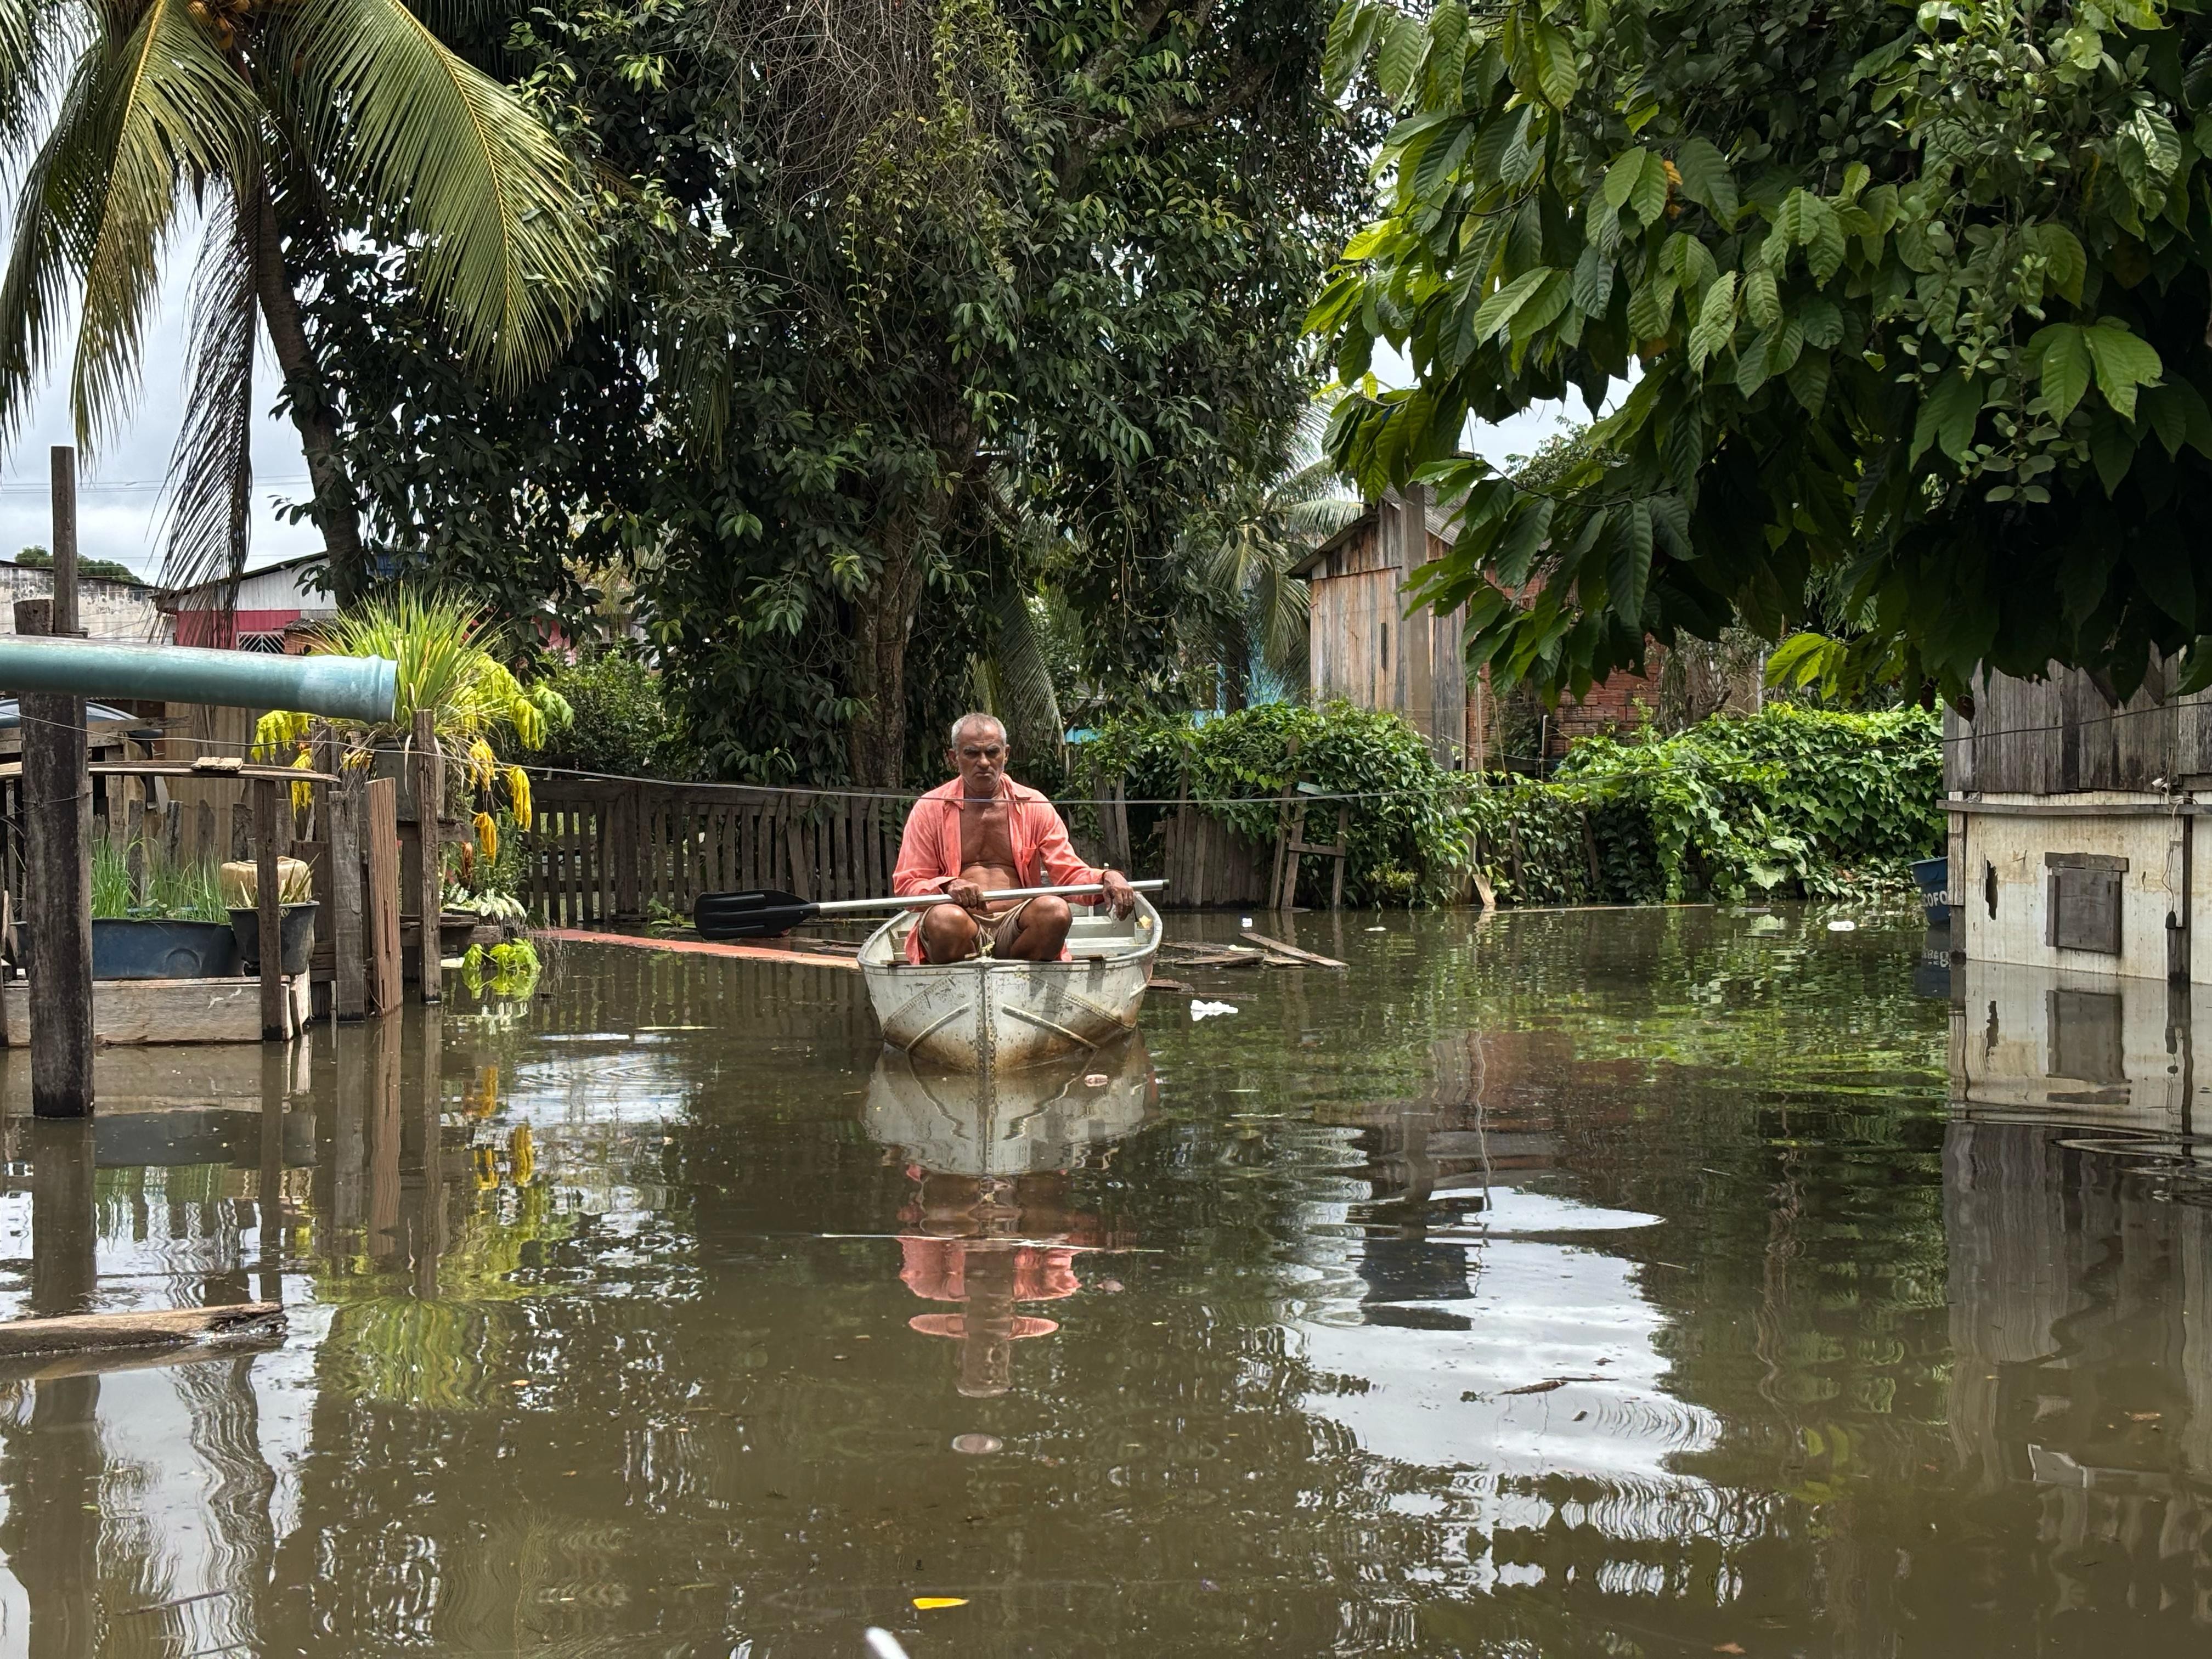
(603, 851)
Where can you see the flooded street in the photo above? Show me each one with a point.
(1608, 1282)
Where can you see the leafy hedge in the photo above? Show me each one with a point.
(1790, 803)
(1411, 836)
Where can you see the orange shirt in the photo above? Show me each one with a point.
(929, 854)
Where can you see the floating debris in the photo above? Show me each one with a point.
(1203, 1010)
(977, 1445)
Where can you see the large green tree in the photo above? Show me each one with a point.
(1914, 302)
(275, 117)
(916, 311)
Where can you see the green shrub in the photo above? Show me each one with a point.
(1792, 802)
(623, 724)
(1410, 835)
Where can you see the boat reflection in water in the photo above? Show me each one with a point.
(990, 1223)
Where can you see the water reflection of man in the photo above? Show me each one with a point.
(991, 1243)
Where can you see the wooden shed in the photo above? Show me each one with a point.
(2073, 820)
(1364, 646)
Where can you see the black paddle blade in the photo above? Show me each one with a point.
(767, 915)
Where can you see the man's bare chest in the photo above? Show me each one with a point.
(987, 835)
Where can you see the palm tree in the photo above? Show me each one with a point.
(1240, 560)
(262, 112)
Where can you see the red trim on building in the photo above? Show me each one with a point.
(205, 627)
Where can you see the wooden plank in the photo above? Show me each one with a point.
(698, 947)
(430, 800)
(173, 1011)
(162, 1327)
(268, 901)
(795, 853)
(1278, 948)
(381, 893)
(349, 989)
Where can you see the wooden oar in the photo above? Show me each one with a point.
(770, 915)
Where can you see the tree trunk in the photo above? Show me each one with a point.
(883, 621)
(334, 509)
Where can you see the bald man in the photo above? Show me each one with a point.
(981, 833)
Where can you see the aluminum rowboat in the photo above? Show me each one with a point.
(981, 1015)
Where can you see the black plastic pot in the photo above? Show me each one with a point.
(296, 934)
(126, 948)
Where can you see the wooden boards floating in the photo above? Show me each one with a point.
(700, 947)
(161, 1328)
(1277, 948)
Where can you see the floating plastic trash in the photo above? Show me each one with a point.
(1843, 927)
(929, 1603)
(1200, 1009)
(977, 1445)
(882, 1644)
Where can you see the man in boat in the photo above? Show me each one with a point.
(983, 833)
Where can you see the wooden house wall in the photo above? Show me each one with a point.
(1366, 650)
(2059, 736)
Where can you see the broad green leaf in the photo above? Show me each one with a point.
(2167, 414)
(2112, 449)
(1497, 310)
(1443, 154)
(1628, 574)
(1350, 33)
(1405, 44)
(1808, 381)
(2161, 144)
(1592, 289)
(2164, 572)
(1821, 234)
(1948, 414)
(2063, 367)
(2123, 361)
(1823, 323)
(2062, 251)
(1648, 201)
(1716, 321)
(1541, 308)
(1651, 307)
(1518, 548)
(1706, 181)
(1620, 178)
(1555, 65)
(1363, 245)
(1762, 303)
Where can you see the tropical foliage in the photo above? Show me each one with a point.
(921, 321)
(116, 114)
(442, 647)
(1910, 301)
(1411, 834)
(1793, 802)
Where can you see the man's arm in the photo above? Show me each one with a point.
(1064, 867)
(921, 867)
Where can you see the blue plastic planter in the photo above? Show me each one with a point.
(123, 948)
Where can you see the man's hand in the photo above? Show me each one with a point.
(1120, 894)
(967, 895)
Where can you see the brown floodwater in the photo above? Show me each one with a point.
(1597, 1283)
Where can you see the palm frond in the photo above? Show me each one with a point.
(171, 110)
(1032, 711)
(507, 251)
(47, 251)
(211, 468)
(34, 35)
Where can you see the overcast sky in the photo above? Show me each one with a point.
(118, 490)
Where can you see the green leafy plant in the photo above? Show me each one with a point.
(441, 646)
(1910, 299)
(505, 970)
(186, 891)
(1411, 834)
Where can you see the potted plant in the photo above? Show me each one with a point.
(172, 926)
(441, 646)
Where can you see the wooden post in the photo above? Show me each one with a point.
(348, 981)
(381, 837)
(429, 802)
(57, 803)
(268, 902)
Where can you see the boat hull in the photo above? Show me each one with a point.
(983, 1015)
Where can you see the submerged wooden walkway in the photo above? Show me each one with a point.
(698, 947)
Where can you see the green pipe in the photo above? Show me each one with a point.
(338, 688)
